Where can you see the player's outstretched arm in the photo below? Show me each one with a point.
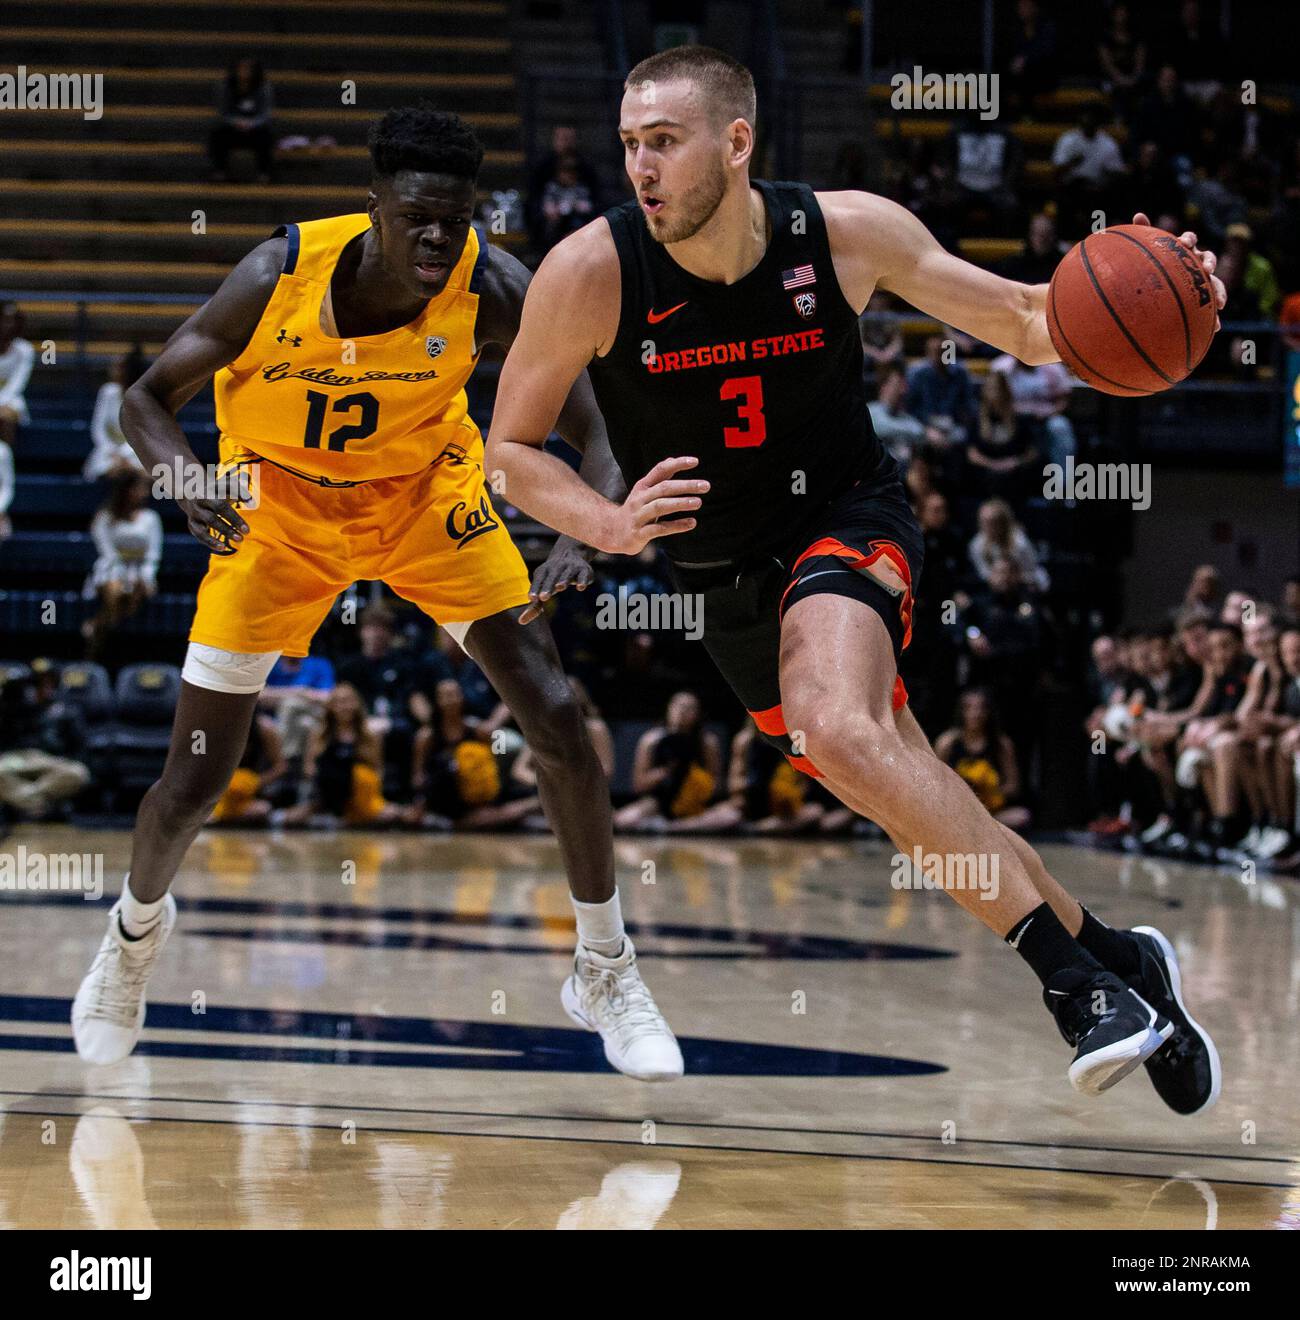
(570, 314)
(212, 338)
(877, 243)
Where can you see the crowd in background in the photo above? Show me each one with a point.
(1197, 716)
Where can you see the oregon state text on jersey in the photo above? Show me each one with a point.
(761, 380)
(360, 408)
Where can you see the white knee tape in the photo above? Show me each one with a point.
(227, 671)
(1187, 772)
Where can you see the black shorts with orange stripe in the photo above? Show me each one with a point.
(868, 533)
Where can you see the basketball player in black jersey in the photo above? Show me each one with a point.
(718, 318)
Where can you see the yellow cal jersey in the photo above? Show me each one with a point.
(354, 409)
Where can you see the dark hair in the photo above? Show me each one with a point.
(420, 137)
(727, 86)
(1226, 627)
(122, 489)
(992, 725)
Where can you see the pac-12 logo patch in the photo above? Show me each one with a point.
(805, 304)
(434, 345)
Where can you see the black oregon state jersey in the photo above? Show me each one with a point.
(761, 380)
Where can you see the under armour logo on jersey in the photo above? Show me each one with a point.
(434, 345)
(285, 338)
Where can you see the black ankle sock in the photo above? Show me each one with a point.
(1116, 950)
(1040, 939)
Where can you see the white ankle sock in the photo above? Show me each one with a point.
(600, 926)
(137, 918)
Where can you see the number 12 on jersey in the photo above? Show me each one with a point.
(748, 393)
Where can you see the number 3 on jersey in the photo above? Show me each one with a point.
(748, 392)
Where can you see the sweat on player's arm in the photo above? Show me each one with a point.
(576, 288)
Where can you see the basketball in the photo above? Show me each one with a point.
(1130, 310)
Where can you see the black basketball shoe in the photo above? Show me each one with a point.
(1113, 1027)
(1186, 1072)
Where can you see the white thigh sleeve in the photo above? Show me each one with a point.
(227, 671)
(458, 631)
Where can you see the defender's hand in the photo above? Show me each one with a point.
(566, 566)
(215, 523)
(659, 494)
(1207, 260)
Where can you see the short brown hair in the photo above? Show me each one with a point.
(728, 86)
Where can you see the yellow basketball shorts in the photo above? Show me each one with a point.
(432, 536)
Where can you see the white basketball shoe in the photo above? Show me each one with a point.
(108, 1012)
(607, 995)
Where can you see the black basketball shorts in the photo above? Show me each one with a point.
(743, 603)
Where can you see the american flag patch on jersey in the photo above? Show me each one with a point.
(798, 277)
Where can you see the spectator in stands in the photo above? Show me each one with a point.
(262, 769)
(16, 358)
(1204, 590)
(342, 769)
(128, 540)
(1121, 59)
(676, 770)
(1041, 256)
(1041, 395)
(978, 750)
(1000, 537)
(6, 490)
(1207, 750)
(1258, 277)
(110, 452)
(1153, 184)
(385, 674)
(1289, 616)
(929, 665)
(881, 335)
(562, 172)
(898, 430)
(1286, 751)
(1034, 65)
(986, 160)
(1218, 201)
(1088, 165)
(296, 692)
(1226, 354)
(1259, 720)
(1194, 52)
(448, 660)
(245, 106)
(456, 775)
(939, 393)
(42, 740)
(1003, 453)
(1005, 634)
(1168, 118)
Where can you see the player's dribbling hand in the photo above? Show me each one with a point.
(658, 495)
(1208, 261)
(215, 524)
(566, 566)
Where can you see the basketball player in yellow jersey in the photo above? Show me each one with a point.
(340, 350)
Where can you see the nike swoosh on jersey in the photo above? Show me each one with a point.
(655, 317)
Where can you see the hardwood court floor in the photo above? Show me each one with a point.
(365, 1030)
